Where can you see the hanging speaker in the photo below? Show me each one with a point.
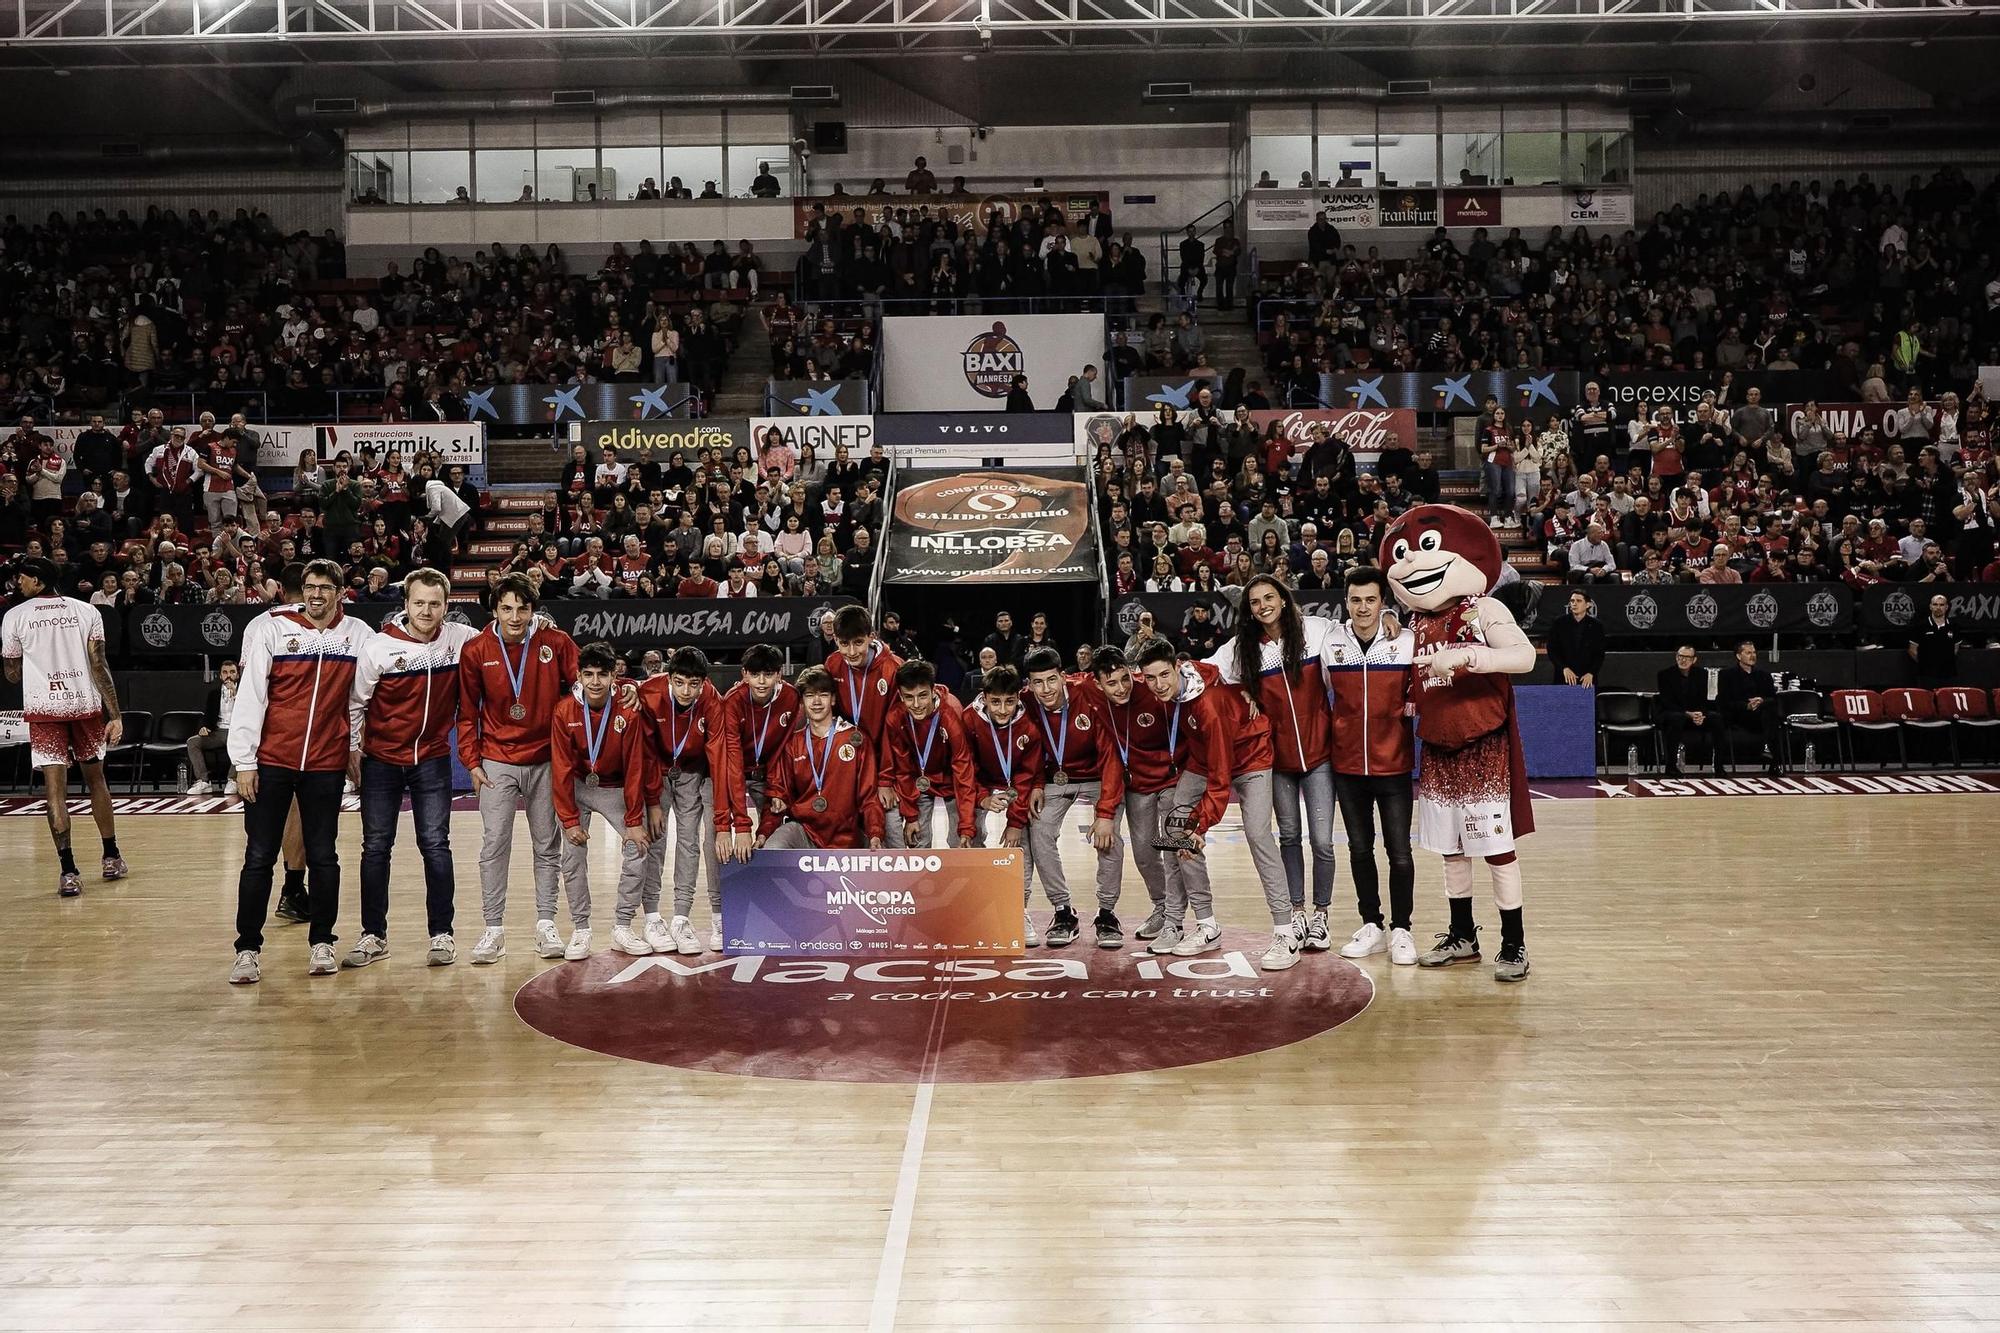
(830, 136)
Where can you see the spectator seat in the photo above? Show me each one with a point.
(131, 746)
(1626, 720)
(1804, 724)
(1974, 728)
(1915, 712)
(1860, 713)
(170, 737)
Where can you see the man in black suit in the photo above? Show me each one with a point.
(1746, 697)
(1017, 395)
(1684, 707)
(1576, 643)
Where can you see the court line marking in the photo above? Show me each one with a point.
(902, 1208)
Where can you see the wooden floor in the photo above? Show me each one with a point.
(1754, 1081)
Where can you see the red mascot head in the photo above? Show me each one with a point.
(1435, 554)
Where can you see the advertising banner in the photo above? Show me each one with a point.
(821, 398)
(1850, 419)
(552, 404)
(626, 623)
(1683, 390)
(824, 434)
(965, 363)
(1358, 210)
(1294, 210)
(969, 211)
(1471, 208)
(1461, 395)
(1597, 208)
(929, 439)
(1711, 610)
(1891, 607)
(278, 447)
(978, 527)
(664, 435)
(1409, 208)
(452, 442)
(843, 903)
(1368, 431)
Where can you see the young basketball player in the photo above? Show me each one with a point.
(598, 764)
(1080, 769)
(1007, 762)
(699, 793)
(763, 707)
(54, 649)
(1138, 731)
(821, 782)
(864, 668)
(930, 761)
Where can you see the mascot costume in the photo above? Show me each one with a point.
(1472, 791)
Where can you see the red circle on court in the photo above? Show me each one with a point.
(1049, 1014)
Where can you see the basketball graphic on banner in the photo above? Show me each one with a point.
(992, 360)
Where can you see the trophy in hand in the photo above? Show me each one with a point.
(1177, 830)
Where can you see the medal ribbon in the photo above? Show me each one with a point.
(1006, 756)
(854, 687)
(516, 676)
(1060, 741)
(680, 739)
(593, 737)
(820, 767)
(757, 746)
(930, 739)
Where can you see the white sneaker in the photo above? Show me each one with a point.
(444, 950)
(658, 935)
(715, 938)
(246, 972)
(365, 951)
(1167, 940)
(320, 962)
(1205, 936)
(492, 946)
(349, 789)
(579, 944)
(627, 940)
(229, 787)
(201, 789)
(685, 940)
(548, 944)
(1029, 935)
(1367, 940)
(1284, 950)
(1402, 949)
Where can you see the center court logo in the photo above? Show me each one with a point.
(1045, 1015)
(992, 360)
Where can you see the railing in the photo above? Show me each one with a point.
(1270, 307)
(1205, 225)
(880, 546)
(870, 308)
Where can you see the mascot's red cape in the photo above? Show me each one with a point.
(1441, 562)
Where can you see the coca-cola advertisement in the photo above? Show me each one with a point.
(1367, 430)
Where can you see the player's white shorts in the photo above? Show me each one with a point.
(1476, 828)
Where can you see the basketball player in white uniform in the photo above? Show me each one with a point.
(54, 648)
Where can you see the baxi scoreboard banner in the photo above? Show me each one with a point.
(836, 904)
(965, 363)
(991, 526)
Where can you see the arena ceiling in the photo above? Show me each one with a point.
(248, 33)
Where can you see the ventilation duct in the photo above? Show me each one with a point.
(347, 111)
(1820, 127)
(314, 149)
(1620, 92)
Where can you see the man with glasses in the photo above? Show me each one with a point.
(1685, 708)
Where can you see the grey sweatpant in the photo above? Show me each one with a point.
(926, 805)
(609, 802)
(1253, 798)
(1142, 826)
(688, 800)
(508, 787)
(1045, 845)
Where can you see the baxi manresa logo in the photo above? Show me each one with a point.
(1762, 609)
(992, 360)
(1898, 608)
(1641, 611)
(216, 629)
(156, 629)
(1822, 609)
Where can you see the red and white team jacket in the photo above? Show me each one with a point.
(1202, 723)
(945, 762)
(761, 729)
(1301, 725)
(405, 698)
(292, 700)
(1006, 758)
(852, 813)
(862, 695)
(1367, 690)
(1082, 731)
(624, 759)
(488, 729)
(1139, 733)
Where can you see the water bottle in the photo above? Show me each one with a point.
(1681, 757)
(1812, 758)
(1632, 759)
(181, 778)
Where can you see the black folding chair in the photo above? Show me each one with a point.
(1626, 719)
(171, 734)
(1805, 727)
(131, 746)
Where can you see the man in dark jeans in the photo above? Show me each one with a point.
(1746, 698)
(405, 705)
(1684, 707)
(288, 739)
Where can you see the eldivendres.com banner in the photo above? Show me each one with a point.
(965, 363)
(836, 903)
(991, 526)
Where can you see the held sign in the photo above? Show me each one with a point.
(842, 904)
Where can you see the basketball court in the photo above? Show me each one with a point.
(1751, 1083)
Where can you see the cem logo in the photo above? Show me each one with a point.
(1762, 608)
(1898, 608)
(992, 360)
(216, 629)
(156, 629)
(1822, 609)
(1702, 611)
(1642, 612)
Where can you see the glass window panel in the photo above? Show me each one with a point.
(1471, 159)
(626, 169)
(1407, 159)
(1286, 156)
(377, 176)
(1532, 158)
(563, 175)
(437, 175)
(694, 165)
(743, 161)
(1595, 157)
(1354, 159)
(504, 174)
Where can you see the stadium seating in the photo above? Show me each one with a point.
(1925, 734)
(1806, 726)
(1625, 722)
(1974, 728)
(1861, 714)
(131, 747)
